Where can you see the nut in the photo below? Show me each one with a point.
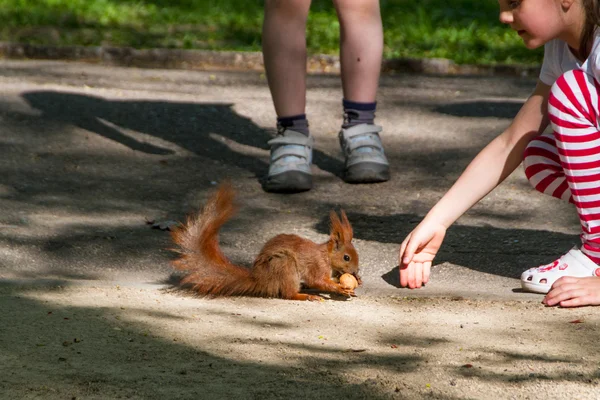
(348, 281)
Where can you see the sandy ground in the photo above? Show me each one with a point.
(89, 154)
(145, 343)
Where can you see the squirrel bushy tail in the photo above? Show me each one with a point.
(210, 273)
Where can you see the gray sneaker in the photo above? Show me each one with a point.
(289, 167)
(365, 158)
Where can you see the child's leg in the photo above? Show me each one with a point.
(573, 109)
(284, 52)
(543, 169)
(361, 48)
(566, 165)
(361, 51)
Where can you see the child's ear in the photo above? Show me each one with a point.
(566, 4)
(336, 230)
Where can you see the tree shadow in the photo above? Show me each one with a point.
(481, 109)
(489, 371)
(58, 357)
(113, 350)
(118, 184)
(209, 130)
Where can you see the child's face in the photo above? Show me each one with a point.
(536, 21)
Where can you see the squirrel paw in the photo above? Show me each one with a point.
(347, 292)
(306, 297)
(358, 280)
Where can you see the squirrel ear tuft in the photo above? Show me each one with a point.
(348, 232)
(337, 231)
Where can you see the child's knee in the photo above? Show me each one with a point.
(289, 9)
(569, 89)
(357, 8)
(530, 156)
(540, 155)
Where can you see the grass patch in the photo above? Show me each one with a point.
(466, 31)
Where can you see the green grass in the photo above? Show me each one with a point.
(466, 31)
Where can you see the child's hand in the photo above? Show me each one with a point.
(418, 251)
(574, 292)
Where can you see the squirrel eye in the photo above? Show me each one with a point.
(346, 257)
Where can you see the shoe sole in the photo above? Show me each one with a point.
(288, 182)
(366, 172)
(535, 288)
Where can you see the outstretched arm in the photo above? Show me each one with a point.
(489, 168)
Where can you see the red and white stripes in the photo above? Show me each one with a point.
(566, 164)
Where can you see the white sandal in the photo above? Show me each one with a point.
(574, 263)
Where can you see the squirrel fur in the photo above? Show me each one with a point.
(285, 263)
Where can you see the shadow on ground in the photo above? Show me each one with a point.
(216, 132)
(201, 128)
(481, 109)
(106, 194)
(58, 356)
(492, 250)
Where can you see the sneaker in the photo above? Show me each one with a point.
(289, 167)
(365, 158)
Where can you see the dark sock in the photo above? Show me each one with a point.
(297, 123)
(358, 113)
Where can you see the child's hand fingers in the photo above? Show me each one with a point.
(404, 275)
(419, 275)
(411, 275)
(569, 291)
(416, 255)
(407, 265)
(569, 295)
(404, 269)
(411, 248)
(426, 271)
(577, 301)
(559, 294)
(564, 280)
(404, 257)
(422, 273)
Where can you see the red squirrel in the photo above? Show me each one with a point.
(282, 266)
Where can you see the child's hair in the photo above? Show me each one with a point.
(592, 20)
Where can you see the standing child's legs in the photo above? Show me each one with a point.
(361, 48)
(284, 51)
(361, 51)
(567, 165)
